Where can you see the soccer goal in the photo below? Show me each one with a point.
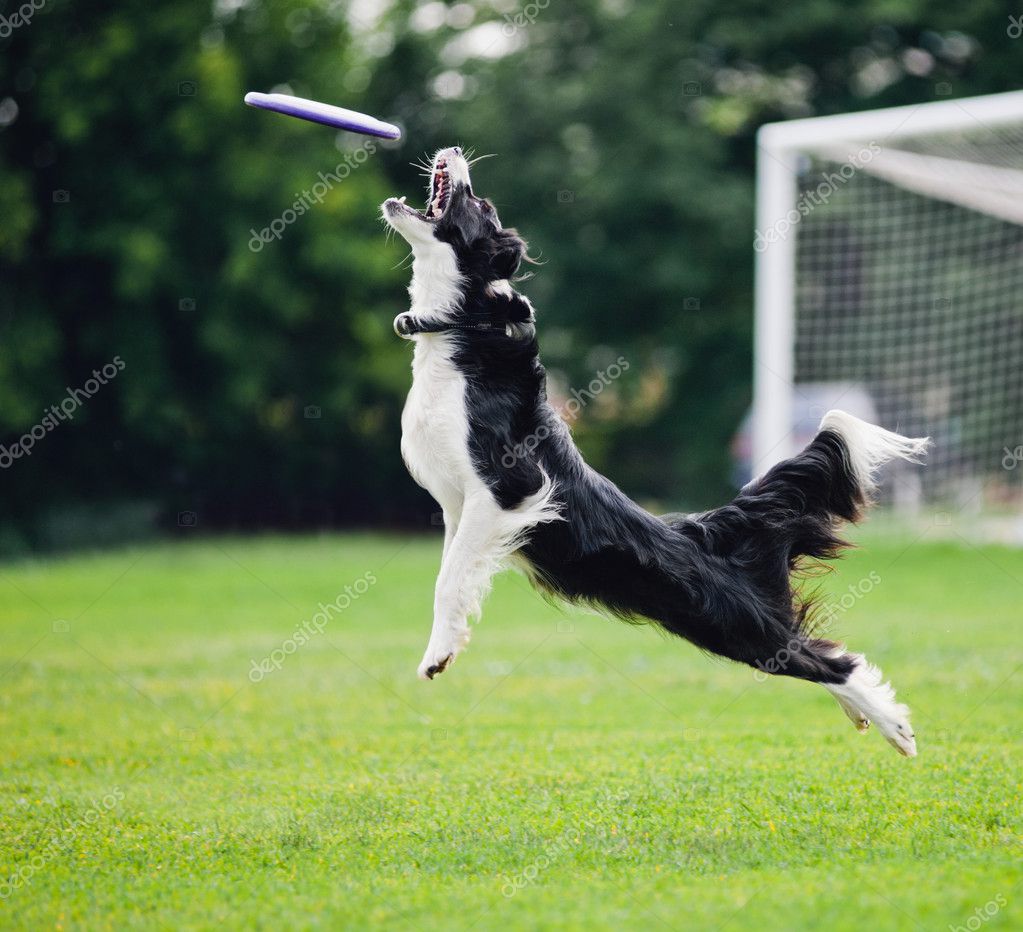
(889, 281)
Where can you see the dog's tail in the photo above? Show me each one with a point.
(835, 477)
(865, 449)
(774, 529)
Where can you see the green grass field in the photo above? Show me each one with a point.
(568, 772)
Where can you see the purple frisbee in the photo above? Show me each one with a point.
(326, 114)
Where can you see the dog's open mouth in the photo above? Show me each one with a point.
(440, 191)
(447, 173)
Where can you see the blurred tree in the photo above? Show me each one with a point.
(261, 382)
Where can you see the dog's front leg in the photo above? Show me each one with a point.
(471, 556)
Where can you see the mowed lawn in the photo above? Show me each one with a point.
(568, 772)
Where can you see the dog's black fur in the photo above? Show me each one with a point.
(723, 579)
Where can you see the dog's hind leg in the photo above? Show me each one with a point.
(450, 527)
(773, 648)
(485, 537)
(856, 684)
(469, 563)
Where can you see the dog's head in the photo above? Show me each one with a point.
(456, 219)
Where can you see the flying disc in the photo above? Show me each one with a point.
(326, 114)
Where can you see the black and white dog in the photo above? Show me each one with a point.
(722, 580)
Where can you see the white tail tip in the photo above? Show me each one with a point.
(870, 447)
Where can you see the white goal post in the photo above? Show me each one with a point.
(889, 268)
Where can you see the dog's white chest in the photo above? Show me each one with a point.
(434, 426)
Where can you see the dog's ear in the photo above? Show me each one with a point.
(508, 251)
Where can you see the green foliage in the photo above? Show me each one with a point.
(133, 178)
(624, 780)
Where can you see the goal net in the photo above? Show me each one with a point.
(892, 285)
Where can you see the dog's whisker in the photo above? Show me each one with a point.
(401, 262)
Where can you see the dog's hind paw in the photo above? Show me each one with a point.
(446, 643)
(866, 698)
(900, 736)
(430, 666)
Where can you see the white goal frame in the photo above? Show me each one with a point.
(779, 148)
